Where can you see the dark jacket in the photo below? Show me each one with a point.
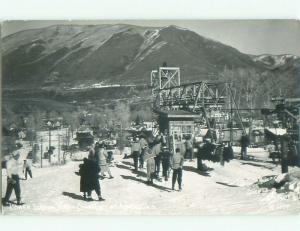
(245, 141)
(89, 172)
(165, 156)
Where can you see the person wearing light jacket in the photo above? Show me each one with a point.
(149, 158)
(177, 165)
(102, 162)
(144, 145)
(136, 152)
(13, 168)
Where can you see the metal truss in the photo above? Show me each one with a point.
(204, 98)
(165, 77)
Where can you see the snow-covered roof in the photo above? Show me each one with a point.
(277, 131)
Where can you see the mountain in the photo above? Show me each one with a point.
(81, 56)
(74, 54)
(277, 62)
(286, 67)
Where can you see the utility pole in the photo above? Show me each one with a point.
(49, 137)
(298, 148)
(41, 152)
(284, 148)
(231, 116)
(59, 148)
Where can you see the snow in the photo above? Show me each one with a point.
(275, 60)
(99, 85)
(277, 131)
(225, 190)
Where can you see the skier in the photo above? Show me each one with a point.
(177, 165)
(149, 158)
(27, 167)
(13, 168)
(91, 178)
(143, 144)
(135, 152)
(102, 162)
(156, 150)
(244, 144)
(199, 157)
(189, 149)
(165, 157)
(85, 184)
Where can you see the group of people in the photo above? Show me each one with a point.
(14, 166)
(157, 154)
(93, 168)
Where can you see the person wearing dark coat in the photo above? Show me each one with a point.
(244, 144)
(89, 181)
(165, 159)
(199, 157)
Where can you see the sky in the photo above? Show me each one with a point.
(249, 36)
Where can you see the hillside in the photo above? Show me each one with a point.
(43, 63)
(69, 55)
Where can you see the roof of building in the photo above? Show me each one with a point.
(178, 114)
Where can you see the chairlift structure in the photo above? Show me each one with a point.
(213, 102)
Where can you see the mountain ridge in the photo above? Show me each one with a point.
(70, 55)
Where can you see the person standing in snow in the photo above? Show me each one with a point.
(92, 178)
(27, 167)
(149, 158)
(156, 150)
(199, 157)
(165, 159)
(143, 144)
(85, 179)
(189, 149)
(13, 168)
(244, 144)
(177, 165)
(135, 152)
(102, 161)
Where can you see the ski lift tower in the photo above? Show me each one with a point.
(164, 78)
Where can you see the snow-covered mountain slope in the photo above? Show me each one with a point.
(276, 61)
(73, 54)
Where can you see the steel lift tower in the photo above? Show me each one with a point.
(204, 98)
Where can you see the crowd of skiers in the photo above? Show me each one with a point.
(156, 154)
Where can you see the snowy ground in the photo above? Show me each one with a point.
(224, 190)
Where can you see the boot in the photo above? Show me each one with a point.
(100, 198)
(19, 202)
(89, 198)
(5, 203)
